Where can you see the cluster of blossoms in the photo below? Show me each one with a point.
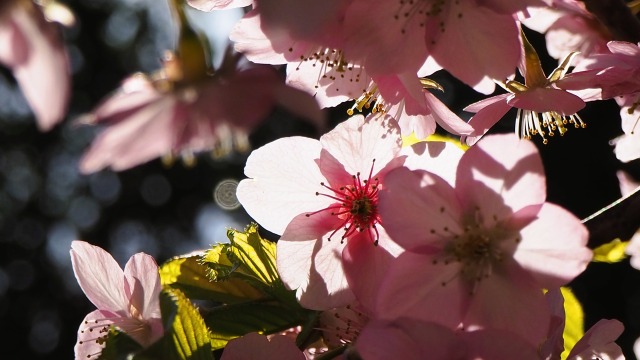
(386, 249)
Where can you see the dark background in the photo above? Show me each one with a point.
(165, 211)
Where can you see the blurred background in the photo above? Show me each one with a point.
(166, 211)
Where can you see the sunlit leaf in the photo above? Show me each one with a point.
(574, 321)
(412, 139)
(611, 252)
(190, 275)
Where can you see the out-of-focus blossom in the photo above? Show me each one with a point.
(210, 5)
(478, 254)
(616, 72)
(169, 113)
(543, 109)
(412, 339)
(599, 342)
(568, 28)
(333, 78)
(256, 346)
(32, 48)
(627, 187)
(128, 301)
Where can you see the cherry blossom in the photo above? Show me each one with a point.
(256, 346)
(480, 252)
(33, 49)
(410, 338)
(627, 145)
(333, 78)
(322, 197)
(543, 109)
(616, 72)
(169, 113)
(128, 301)
(568, 28)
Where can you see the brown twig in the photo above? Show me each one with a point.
(616, 16)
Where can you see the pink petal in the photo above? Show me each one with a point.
(417, 287)
(416, 206)
(256, 346)
(488, 40)
(547, 99)
(501, 182)
(138, 138)
(90, 330)
(210, 5)
(143, 285)
(479, 105)
(99, 276)
(408, 339)
(421, 125)
(627, 147)
(305, 245)
(624, 48)
(445, 117)
(497, 344)
(357, 142)
(599, 342)
(42, 68)
(511, 300)
(485, 118)
(553, 248)
(249, 39)
(366, 265)
(283, 181)
(437, 157)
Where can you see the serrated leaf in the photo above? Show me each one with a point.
(190, 275)
(266, 317)
(611, 252)
(186, 335)
(248, 256)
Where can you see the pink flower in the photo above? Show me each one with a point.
(166, 114)
(411, 339)
(616, 72)
(333, 78)
(542, 109)
(210, 5)
(627, 145)
(479, 251)
(322, 197)
(256, 346)
(127, 300)
(32, 48)
(569, 27)
(599, 342)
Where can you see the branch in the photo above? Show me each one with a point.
(616, 16)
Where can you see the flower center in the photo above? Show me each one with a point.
(356, 207)
(529, 123)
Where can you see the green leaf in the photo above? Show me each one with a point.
(611, 252)
(574, 321)
(248, 257)
(190, 275)
(186, 335)
(265, 317)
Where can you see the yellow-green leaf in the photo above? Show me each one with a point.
(190, 275)
(185, 327)
(412, 139)
(611, 252)
(574, 321)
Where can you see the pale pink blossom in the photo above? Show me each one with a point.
(256, 346)
(627, 145)
(333, 78)
(411, 339)
(152, 116)
(543, 109)
(211, 5)
(628, 186)
(616, 72)
(480, 251)
(33, 49)
(322, 197)
(128, 301)
(569, 27)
